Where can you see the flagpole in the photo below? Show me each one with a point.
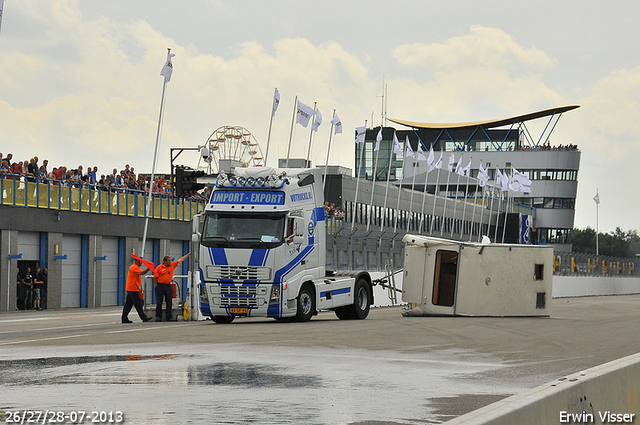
(464, 208)
(355, 200)
(153, 167)
(386, 191)
(293, 120)
(270, 122)
(326, 163)
(597, 230)
(315, 104)
(455, 206)
(433, 212)
(446, 195)
(404, 158)
(373, 183)
(495, 235)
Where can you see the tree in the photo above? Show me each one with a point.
(614, 244)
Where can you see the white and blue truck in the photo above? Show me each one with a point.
(262, 250)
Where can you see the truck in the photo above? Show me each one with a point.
(262, 250)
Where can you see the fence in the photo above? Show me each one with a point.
(57, 195)
(576, 264)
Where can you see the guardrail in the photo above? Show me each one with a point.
(578, 264)
(58, 195)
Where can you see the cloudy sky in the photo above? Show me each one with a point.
(80, 83)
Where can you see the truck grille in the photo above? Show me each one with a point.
(238, 272)
(239, 296)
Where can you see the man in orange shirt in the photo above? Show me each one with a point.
(133, 292)
(162, 280)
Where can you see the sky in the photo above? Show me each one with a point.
(80, 81)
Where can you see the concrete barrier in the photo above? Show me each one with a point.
(574, 286)
(605, 394)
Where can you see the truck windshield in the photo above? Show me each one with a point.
(242, 230)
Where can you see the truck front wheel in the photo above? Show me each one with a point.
(223, 319)
(306, 304)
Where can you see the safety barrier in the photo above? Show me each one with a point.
(577, 264)
(51, 194)
(609, 393)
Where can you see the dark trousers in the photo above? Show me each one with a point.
(164, 292)
(133, 300)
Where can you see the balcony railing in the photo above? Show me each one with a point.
(70, 196)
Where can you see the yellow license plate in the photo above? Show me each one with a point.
(239, 310)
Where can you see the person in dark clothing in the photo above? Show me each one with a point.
(43, 277)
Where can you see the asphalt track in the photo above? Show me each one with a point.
(387, 369)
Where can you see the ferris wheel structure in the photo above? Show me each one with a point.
(231, 146)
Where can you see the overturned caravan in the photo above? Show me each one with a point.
(445, 277)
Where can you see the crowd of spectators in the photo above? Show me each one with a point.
(331, 211)
(125, 180)
(547, 147)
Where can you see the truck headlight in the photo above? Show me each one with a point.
(274, 297)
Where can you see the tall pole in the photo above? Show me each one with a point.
(597, 231)
(273, 112)
(404, 158)
(315, 104)
(373, 185)
(153, 167)
(326, 163)
(355, 200)
(293, 120)
(386, 191)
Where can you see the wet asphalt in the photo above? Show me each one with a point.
(387, 369)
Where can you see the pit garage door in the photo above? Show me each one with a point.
(109, 272)
(71, 270)
(29, 245)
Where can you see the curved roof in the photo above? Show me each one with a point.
(489, 123)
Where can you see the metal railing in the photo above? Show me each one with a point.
(577, 264)
(61, 195)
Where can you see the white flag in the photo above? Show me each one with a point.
(459, 169)
(276, 103)
(597, 198)
(520, 182)
(439, 162)
(303, 114)
(396, 145)
(452, 159)
(409, 149)
(361, 132)
(502, 180)
(378, 140)
(317, 121)
(337, 124)
(483, 176)
(431, 160)
(467, 170)
(167, 69)
(421, 156)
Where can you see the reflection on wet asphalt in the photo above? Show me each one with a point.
(245, 384)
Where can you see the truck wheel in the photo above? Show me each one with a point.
(361, 303)
(221, 320)
(306, 304)
(362, 300)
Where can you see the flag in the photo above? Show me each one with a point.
(303, 114)
(502, 180)
(431, 160)
(167, 69)
(452, 159)
(396, 145)
(317, 121)
(467, 170)
(520, 182)
(421, 156)
(597, 198)
(439, 162)
(276, 103)
(483, 176)
(378, 140)
(409, 149)
(151, 266)
(459, 169)
(337, 124)
(361, 132)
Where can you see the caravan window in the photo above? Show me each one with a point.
(444, 282)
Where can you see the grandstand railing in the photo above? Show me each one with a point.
(62, 195)
(577, 264)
